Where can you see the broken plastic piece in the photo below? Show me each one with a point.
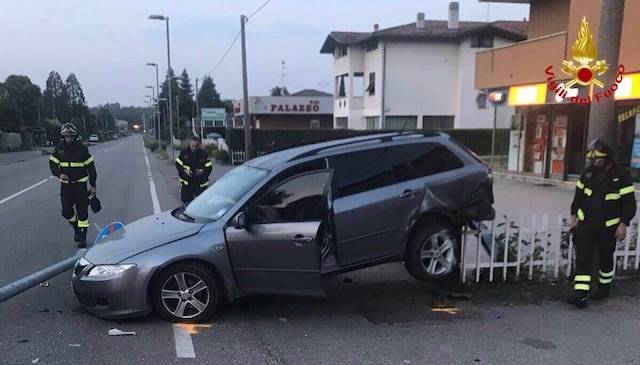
(117, 332)
(44, 284)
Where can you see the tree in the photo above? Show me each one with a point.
(279, 91)
(26, 95)
(74, 89)
(56, 99)
(208, 97)
(10, 113)
(185, 96)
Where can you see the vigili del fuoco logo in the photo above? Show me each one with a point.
(583, 70)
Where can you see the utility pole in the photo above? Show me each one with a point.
(283, 74)
(197, 110)
(177, 115)
(84, 126)
(602, 121)
(248, 148)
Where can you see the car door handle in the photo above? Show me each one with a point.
(410, 193)
(299, 239)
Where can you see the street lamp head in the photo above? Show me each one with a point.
(157, 17)
(151, 64)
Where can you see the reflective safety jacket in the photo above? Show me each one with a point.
(73, 160)
(191, 161)
(604, 199)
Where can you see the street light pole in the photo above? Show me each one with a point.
(248, 150)
(157, 114)
(169, 80)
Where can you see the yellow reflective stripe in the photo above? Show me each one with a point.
(64, 164)
(179, 161)
(88, 161)
(586, 278)
(605, 281)
(83, 224)
(579, 184)
(73, 219)
(588, 191)
(627, 190)
(184, 181)
(606, 274)
(54, 160)
(612, 222)
(591, 154)
(208, 164)
(582, 287)
(84, 179)
(77, 164)
(612, 196)
(204, 184)
(580, 215)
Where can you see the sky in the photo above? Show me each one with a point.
(107, 43)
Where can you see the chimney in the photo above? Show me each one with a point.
(454, 15)
(376, 27)
(420, 24)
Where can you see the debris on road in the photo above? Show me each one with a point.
(36, 360)
(74, 345)
(23, 341)
(117, 332)
(44, 284)
(45, 310)
(283, 320)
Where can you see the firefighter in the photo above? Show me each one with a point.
(73, 165)
(603, 205)
(194, 167)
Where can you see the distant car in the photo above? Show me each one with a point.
(282, 222)
(216, 138)
(94, 138)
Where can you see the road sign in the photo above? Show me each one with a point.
(110, 229)
(214, 116)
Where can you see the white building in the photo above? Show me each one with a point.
(423, 73)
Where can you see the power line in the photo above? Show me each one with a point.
(257, 11)
(226, 53)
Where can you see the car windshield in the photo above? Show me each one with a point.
(214, 202)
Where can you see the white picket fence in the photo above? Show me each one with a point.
(536, 247)
(238, 157)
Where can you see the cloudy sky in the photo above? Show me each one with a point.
(107, 43)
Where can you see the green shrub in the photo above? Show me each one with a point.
(221, 156)
(210, 148)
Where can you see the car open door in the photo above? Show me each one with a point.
(276, 249)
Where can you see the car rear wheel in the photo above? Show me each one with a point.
(433, 253)
(186, 292)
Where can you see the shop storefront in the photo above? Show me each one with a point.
(628, 117)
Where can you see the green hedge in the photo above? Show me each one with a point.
(477, 140)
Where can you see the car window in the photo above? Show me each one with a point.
(361, 171)
(298, 199)
(214, 202)
(422, 159)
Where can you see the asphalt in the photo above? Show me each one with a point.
(375, 316)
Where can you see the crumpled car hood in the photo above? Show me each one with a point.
(139, 236)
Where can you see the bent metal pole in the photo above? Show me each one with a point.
(28, 282)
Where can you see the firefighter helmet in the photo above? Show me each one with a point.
(68, 129)
(599, 149)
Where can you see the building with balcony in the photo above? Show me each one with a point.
(418, 75)
(549, 131)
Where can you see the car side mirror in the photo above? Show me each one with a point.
(240, 221)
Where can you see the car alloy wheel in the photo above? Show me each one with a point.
(185, 295)
(438, 254)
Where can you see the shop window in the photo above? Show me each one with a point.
(372, 123)
(314, 124)
(342, 123)
(400, 122)
(437, 122)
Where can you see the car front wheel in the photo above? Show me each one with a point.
(433, 253)
(186, 292)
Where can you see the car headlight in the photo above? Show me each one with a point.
(109, 271)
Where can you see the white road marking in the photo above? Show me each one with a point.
(152, 184)
(112, 147)
(184, 344)
(23, 191)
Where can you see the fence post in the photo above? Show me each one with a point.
(479, 243)
(545, 253)
(493, 244)
(534, 235)
(559, 248)
(520, 228)
(507, 239)
(463, 250)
